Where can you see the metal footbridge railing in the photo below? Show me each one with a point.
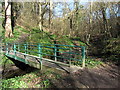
(57, 53)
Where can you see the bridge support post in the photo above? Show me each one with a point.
(14, 50)
(26, 52)
(83, 57)
(40, 55)
(25, 47)
(55, 52)
(18, 47)
(7, 52)
(69, 58)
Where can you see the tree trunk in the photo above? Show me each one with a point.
(76, 6)
(50, 12)
(8, 25)
(40, 16)
(88, 36)
(105, 23)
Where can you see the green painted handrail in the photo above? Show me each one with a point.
(56, 52)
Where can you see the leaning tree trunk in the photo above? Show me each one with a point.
(8, 25)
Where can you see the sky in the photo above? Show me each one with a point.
(61, 0)
(58, 9)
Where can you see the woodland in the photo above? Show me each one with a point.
(95, 25)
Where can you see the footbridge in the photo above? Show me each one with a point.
(62, 57)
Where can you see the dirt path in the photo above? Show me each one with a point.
(105, 76)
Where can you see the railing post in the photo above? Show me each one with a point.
(83, 57)
(25, 47)
(69, 58)
(55, 52)
(18, 47)
(7, 48)
(14, 50)
(40, 55)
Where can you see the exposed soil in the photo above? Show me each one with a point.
(104, 76)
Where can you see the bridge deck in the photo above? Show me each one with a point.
(35, 61)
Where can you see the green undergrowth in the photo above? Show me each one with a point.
(1, 28)
(112, 49)
(18, 31)
(89, 62)
(40, 36)
(36, 79)
(5, 61)
(92, 62)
